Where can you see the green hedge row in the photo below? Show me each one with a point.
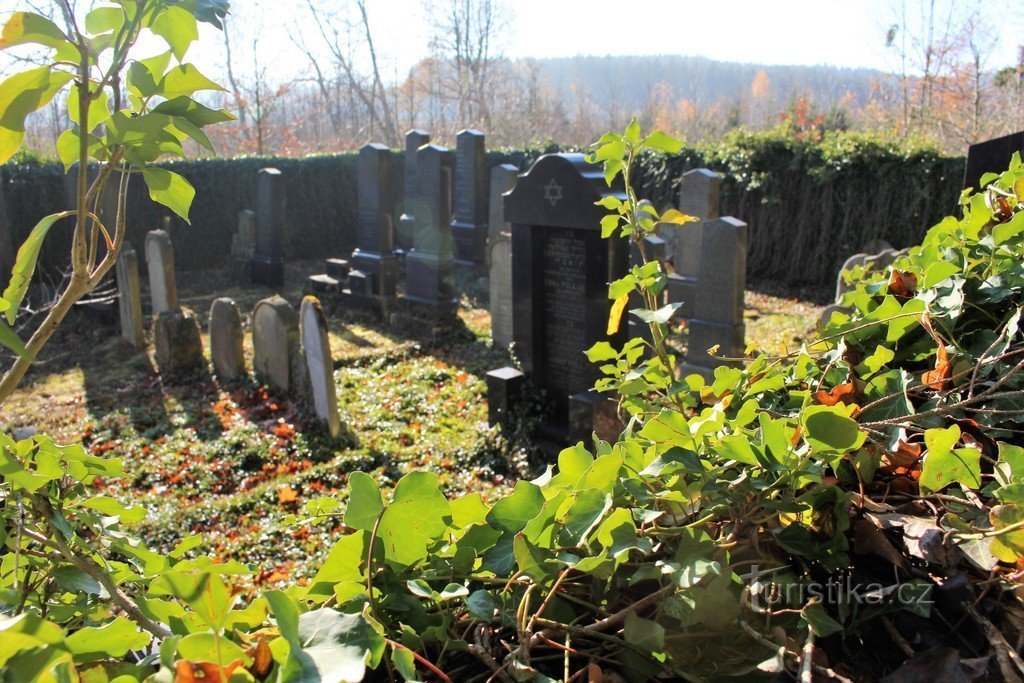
(809, 204)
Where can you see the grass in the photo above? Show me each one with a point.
(234, 462)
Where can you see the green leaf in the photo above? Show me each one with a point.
(178, 28)
(642, 633)
(404, 662)
(22, 94)
(25, 27)
(632, 133)
(583, 516)
(818, 620)
(417, 515)
(829, 429)
(331, 646)
(187, 108)
(25, 264)
(105, 19)
(110, 641)
(481, 605)
(601, 351)
(170, 189)
(211, 648)
(663, 142)
(944, 464)
(185, 79)
(99, 108)
(511, 513)
(74, 580)
(660, 316)
(364, 501)
(10, 339)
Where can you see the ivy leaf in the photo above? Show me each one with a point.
(25, 264)
(416, 516)
(364, 501)
(944, 464)
(170, 189)
(647, 635)
(830, 430)
(818, 620)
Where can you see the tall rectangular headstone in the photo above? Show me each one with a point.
(163, 291)
(267, 263)
(469, 227)
(374, 254)
(698, 196)
(129, 298)
(414, 139)
(500, 284)
(428, 266)
(503, 179)
(718, 310)
(561, 268)
(991, 156)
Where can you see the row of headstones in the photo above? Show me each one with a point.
(291, 353)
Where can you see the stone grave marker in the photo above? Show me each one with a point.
(7, 251)
(991, 156)
(243, 245)
(698, 196)
(277, 359)
(469, 226)
(718, 310)
(163, 292)
(374, 255)
(177, 343)
(316, 347)
(414, 139)
(267, 263)
(503, 179)
(500, 283)
(129, 298)
(429, 289)
(226, 340)
(560, 273)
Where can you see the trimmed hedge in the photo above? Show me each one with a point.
(809, 204)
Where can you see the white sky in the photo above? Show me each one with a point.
(842, 33)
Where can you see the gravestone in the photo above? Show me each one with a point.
(277, 359)
(718, 309)
(267, 263)
(129, 298)
(429, 289)
(163, 292)
(503, 179)
(374, 255)
(500, 284)
(316, 348)
(469, 226)
(6, 240)
(414, 139)
(561, 268)
(226, 340)
(654, 250)
(177, 344)
(698, 196)
(243, 245)
(991, 156)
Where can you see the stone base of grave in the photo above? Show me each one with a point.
(404, 230)
(380, 268)
(503, 390)
(470, 245)
(337, 268)
(238, 268)
(268, 272)
(703, 335)
(322, 284)
(593, 413)
(428, 286)
(177, 343)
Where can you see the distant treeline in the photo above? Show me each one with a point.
(809, 204)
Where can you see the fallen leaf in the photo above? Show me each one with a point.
(939, 377)
(902, 283)
(287, 495)
(843, 393)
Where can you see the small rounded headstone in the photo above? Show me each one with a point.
(226, 340)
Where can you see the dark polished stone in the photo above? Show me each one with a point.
(414, 139)
(375, 246)
(592, 413)
(991, 156)
(504, 387)
(429, 287)
(469, 226)
(267, 263)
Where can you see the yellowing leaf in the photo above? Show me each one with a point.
(615, 316)
(677, 217)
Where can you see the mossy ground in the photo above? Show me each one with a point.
(232, 462)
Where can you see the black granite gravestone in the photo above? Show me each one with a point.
(469, 227)
(267, 263)
(429, 289)
(561, 268)
(374, 255)
(414, 139)
(991, 156)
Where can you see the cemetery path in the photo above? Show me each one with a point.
(232, 462)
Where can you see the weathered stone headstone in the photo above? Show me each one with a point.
(374, 254)
(267, 263)
(226, 340)
(718, 309)
(317, 349)
(503, 179)
(429, 289)
(500, 283)
(243, 245)
(163, 292)
(469, 226)
(129, 298)
(177, 343)
(277, 359)
(560, 272)
(414, 139)
(698, 196)
(991, 156)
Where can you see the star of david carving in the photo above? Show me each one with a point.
(553, 192)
